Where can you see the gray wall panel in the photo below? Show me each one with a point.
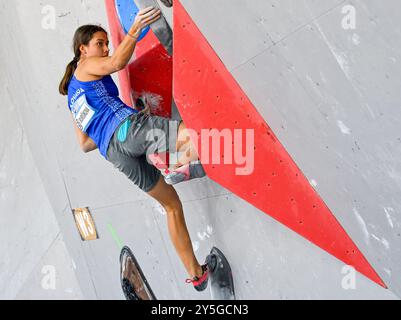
(134, 225)
(332, 97)
(226, 24)
(30, 238)
(239, 30)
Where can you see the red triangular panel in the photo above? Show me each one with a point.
(208, 96)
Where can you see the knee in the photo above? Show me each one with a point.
(166, 196)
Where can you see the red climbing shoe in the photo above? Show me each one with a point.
(200, 284)
(187, 172)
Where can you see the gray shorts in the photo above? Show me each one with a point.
(147, 135)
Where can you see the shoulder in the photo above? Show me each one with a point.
(83, 76)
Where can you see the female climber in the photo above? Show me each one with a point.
(123, 135)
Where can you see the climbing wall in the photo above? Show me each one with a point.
(298, 74)
(322, 101)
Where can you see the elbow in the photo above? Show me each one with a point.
(84, 147)
(88, 147)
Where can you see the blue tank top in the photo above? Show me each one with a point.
(97, 109)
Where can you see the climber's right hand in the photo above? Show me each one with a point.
(144, 18)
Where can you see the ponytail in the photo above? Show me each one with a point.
(69, 72)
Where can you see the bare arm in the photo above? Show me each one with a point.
(85, 142)
(101, 66)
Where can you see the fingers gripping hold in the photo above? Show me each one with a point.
(147, 16)
(149, 13)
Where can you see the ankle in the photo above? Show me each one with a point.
(197, 272)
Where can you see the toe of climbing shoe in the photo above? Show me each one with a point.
(187, 172)
(175, 178)
(200, 284)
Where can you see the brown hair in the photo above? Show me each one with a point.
(82, 36)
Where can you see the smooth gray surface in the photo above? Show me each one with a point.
(30, 239)
(268, 260)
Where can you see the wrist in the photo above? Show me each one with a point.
(133, 36)
(134, 32)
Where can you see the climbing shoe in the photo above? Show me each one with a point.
(200, 284)
(187, 172)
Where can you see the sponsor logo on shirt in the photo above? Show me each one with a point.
(76, 95)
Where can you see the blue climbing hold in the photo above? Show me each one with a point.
(127, 10)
